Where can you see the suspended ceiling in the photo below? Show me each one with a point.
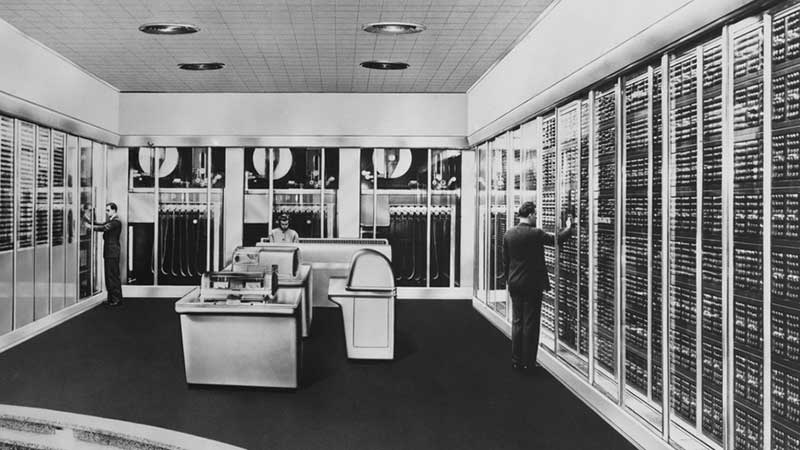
(278, 45)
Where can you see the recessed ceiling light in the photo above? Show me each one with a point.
(393, 28)
(202, 66)
(384, 65)
(168, 28)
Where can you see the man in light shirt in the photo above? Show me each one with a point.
(283, 234)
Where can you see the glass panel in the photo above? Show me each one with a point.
(257, 198)
(331, 176)
(58, 254)
(583, 235)
(99, 202)
(445, 225)
(7, 177)
(605, 241)
(656, 224)
(297, 184)
(217, 209)
(42, 225)
(87, 237)
(567, 285)
(481, 268)
(785, 252)
(639, 314)
(748, 238)
(711, 262)
(683, 226)
(141, 214)
(498, 223)
(26, 185)
(182, 216)
(73, 227)
(400, 208)
(547, 220)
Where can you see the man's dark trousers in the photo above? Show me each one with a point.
(527, 314)
(113, 283)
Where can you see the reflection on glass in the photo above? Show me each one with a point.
(73, 226)
(141, 215)
(547, 221)
(605, 241)
(498, 224)
(481, 160)
(445, 226)
(297, 176)
(399, 209)
(87, 237)
(297, 180)
(569, 318)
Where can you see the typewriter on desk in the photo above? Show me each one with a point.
(237, 288)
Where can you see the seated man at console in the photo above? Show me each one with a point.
(283, 234)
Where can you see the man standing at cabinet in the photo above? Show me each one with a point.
(527, 279)
(111, 229)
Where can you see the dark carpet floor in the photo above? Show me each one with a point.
(449, 387)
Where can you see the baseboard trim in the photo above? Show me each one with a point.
(132, 291)
(492, 317)
(35, 328)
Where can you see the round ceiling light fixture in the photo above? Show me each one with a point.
(168, 28)
(202, 66)
(393, 28)
(384, 65)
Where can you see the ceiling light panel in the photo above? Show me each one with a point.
(291, 46)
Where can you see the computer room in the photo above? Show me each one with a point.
(283, 224)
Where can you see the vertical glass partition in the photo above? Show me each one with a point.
(7, 177)
(546, 220)
(748, 236)
(183, 216)
(481, 224)
(41, 255)
(784, 319)
(25, 195)
(412, 198)
(88, 239)
(605, 240)
(443, 223)
(299, 182)
(58, 262)
(73, 220)
(498, 224)
(568, 309)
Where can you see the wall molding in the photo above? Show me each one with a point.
(20, 108)
(38, 327)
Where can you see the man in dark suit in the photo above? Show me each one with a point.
(111, 229)
(527, 279)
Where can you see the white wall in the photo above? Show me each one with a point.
(38, 84)
(314, 119)
(577, 43)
